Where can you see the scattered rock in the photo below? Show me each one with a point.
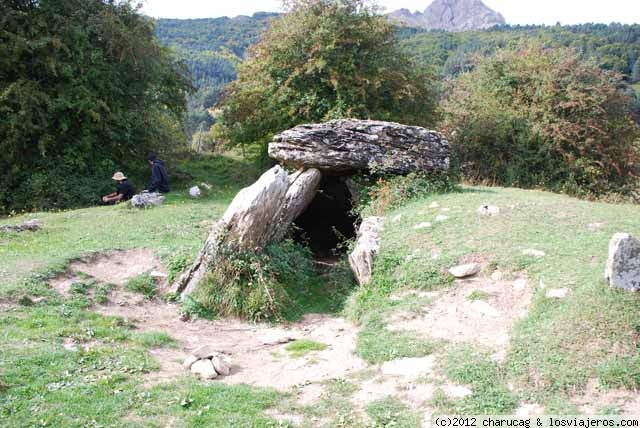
(204, 351)
(397, 218)
(488, 210)
(441, 218)
(464, 271)
(195, 192)
(520, 284)
(366, 249)
(220, 365)
(623, 264)
(409, 367)
(189, 361)
(26, 226)
(497, 275)
(147, 200)
(276, 338)
(434, 205)
(206, 186)
(347, 146)
(534, 253)
(557, 293)
(157, 274)
(204, 369)
(421, 226)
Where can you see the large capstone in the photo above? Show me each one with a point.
(349, 146)
(623, 265)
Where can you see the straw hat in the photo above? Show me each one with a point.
(118, 176)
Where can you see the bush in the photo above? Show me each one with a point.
(257, 285)
(538, 117)
(387, 193)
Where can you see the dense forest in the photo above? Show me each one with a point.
(212, 49)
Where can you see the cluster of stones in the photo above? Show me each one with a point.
(263, 212)
(207, 363)
(27, 226)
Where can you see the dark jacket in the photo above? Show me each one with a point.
(159, 178)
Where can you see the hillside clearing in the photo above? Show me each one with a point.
(560, 355)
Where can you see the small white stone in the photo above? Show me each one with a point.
(195, 192)
(397, 218)
(158, 274)
(204, 369)
(488, 210)
(445, 210)
(594, 227)
(497, 276)
(464, 271)
(435, 253)
(434, 205)
(557, 293)
(420, 226)
(533, 253)
(441, 218)
(520, 284)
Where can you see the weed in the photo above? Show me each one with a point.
(392, 413)
(300, 348)
(144, 284)
(477, 295)
(155, 340)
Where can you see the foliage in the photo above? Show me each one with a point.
(85, 89)
(324, 59)
(144, 284)
(635, 71)
(391, 192)
(540, 117)
(257, 284)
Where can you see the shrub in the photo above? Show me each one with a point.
(391, 192)
(257, 285)
(538, 117)
(144, 284)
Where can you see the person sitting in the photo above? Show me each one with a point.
(124, 190)
(159, 175)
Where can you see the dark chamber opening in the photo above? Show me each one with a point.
(328, 221)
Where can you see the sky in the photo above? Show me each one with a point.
(515, 11)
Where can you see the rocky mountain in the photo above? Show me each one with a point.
(450, 15)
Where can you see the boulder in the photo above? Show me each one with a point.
(367, 246)
(204, 369)
(220, 365)
(147, 200)
(623, 265)
(348, 146)
(464, 271)
(258, 215)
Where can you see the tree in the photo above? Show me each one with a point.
(322, 60)
(543, 117)
(635, 72)
(85, 89)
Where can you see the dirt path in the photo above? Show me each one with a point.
(259, 355)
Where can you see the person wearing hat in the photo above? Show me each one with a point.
(124, 190)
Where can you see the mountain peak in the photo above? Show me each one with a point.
(450, 15)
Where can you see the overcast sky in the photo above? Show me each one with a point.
(515, 11)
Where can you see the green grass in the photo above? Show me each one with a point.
(302, 347)
(143, 284)
(477, 295)
(158, 339)
(392, 413)
(593, 333)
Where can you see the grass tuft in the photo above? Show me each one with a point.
(300, 348)
(144, 284)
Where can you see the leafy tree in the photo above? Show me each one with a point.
(85, 88)
(324, 59)
(542, 117)
(635, 73)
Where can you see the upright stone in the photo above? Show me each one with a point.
(623, 265)
(366, 249)
(349, 146)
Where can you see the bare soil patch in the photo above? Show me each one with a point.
(476, 310)
(596, 398)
